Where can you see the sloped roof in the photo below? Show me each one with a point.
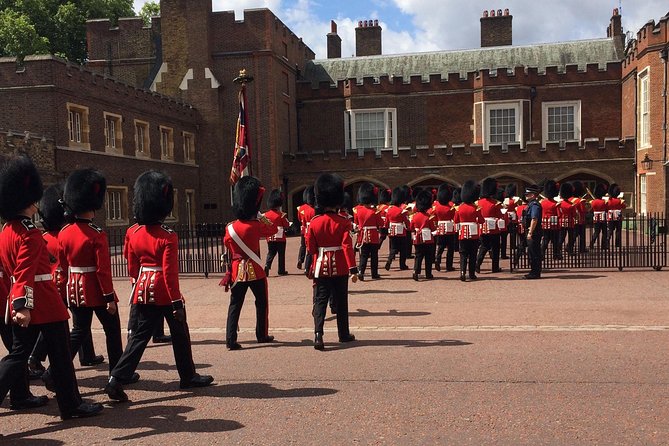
(540, 56)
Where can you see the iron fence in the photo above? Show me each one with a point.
(638, 241)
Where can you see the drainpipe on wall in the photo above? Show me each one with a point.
(663, 56)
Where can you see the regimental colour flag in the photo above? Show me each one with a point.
(241, 154)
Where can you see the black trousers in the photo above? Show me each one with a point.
(133, 321)
(81, 330)
(534, 254)
(237, 294)
(86, 351)
(337, 288)
(398, 246)
(489, 242)
(448, 243)
(579, 233)
(615, 232)
(468, 250)
(551, 236)
(568, 232)
(13, 366)
(303, 250)
(369, 252)
(20, 390)
(274, 248)
(600, 227)
(148, 317)
(424, 251)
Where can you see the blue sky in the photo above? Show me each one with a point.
(430, 25)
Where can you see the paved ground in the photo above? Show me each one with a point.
(576, 358)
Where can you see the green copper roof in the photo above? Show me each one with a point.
(540, 56)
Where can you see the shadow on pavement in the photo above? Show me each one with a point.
(32, 441)
(395, 342)
(381, 291)
(266, 391)
(359, 312)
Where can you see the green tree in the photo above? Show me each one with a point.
(150, 9)
(61, 25)
(18, 36)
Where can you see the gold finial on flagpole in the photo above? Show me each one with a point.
(243, 78)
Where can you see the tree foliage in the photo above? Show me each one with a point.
(150, 9)
(53, 26)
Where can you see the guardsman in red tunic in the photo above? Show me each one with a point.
(616, 206)
(370, 226)
(152, 251)
(423, 228)
(329, 241)
(550, 222)
(34, 305)
(305, 212)
(444, 211)
(579, 203)
(397, 225)
(242, 245)
(510, 203)
(468, 221)
(521, 246)
(491, 210)
(276, 244)
(600, 211)
(84, 258)
(566, 213)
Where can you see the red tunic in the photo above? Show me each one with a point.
(519, 210)
(511, 204)
(600, 208)
(51, 239)
(491, 211)
(281, 222)
(84, 254)
(368, 221)
(250, 232)
(444, 215)
(468, 219)
(616, 208)
(153, 260)
(397, 221)
(549, 214)
(305, 213)
(566, 212)
(24, 257)
(423, 228)
(579, 210)
(329, 240)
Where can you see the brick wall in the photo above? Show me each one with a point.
(496, 29)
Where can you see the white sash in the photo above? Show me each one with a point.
(251, 255)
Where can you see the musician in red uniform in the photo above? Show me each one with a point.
(468, 219)
(549, 220)
(329, 241)
(616, 206)
(84, 258)
(305, 212)
(521, 230)
(423, 228)
(491, 210)
(369, 223)
(34, 305)
(152, 251)
(566, 213)
(579, 203)
(242, 245)
(443, 212)
(276, 244)
(510, 203)
(397, 225)
(600, 210)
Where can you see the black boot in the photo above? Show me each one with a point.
(318, 342)
(84, 410)
(197, 381)
(31, 402)
(114, 390)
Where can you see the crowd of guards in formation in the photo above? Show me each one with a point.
(67, 266)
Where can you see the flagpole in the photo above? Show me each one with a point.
(244, 79)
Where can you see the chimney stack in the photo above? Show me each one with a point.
(496, 29)
(615, 27)
(368, 38)
(334, 42)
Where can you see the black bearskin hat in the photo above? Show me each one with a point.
(500, 194)
(329, 191)
(579, 190)
(20, 186)
(308, 195)
(511, 190)
(550, 189)
(247, 197)
(347, 203)
(600, 190)
(423, 200)
(489, 188)
(85, 191)
(566, 191)
(469, 192)
(384, 196)
(153, 197)
(406, 190)
(367, 194)
(397, 197)
(415, 191)
(275, 199)
(444, 194)
(614, 190)
(455, 198)
(52, 214)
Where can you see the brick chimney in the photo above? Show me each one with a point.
(496, 29)
(334, 42)
(616, 26)
(368, 38)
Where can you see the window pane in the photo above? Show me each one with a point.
(561, 123)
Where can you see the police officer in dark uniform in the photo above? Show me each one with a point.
(532, 221)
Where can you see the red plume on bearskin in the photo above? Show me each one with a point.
(20, 186)
(153, 197)
(85, 191)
